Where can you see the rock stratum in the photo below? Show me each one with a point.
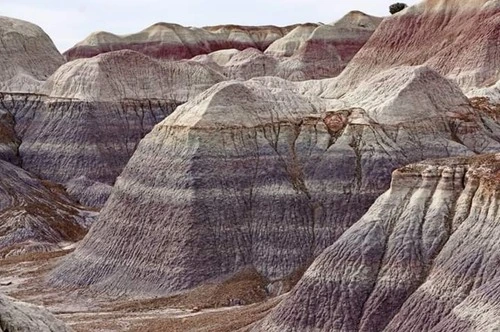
(93, 113)
(423, 258)
(307, 52)
(176, 42)
(296, 169)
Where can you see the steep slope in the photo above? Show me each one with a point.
(27, 56)
(327, 51)
(96, 110)
(16, 316)
(291, 42)
(244, 172)
(307, 52)
(35, 215)
(457, 38)
(175, 42)
(423, 258)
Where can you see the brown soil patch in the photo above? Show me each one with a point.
(244, 288)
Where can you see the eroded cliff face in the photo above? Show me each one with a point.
(456, 38)
(423, 254)
(254, 174)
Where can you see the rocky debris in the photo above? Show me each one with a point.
(36, 215)
(27, 56)
(17, 316)
(492, 93)
(176, 42)
(457, 38)
(420, 259)
(296, 171)
(96, 110)
(87, 192)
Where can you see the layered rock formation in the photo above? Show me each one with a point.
(307, 52)
(16, 316)
(27, 56)
(455, 37)
(329, 48)
(423, 258)
(96, 110)
(175, 42)
(36, 215)
(245, 171)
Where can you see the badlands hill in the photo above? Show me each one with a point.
(175, 42)
(457, 38)
(423, 258)
(36, 215)
(28, 55)
(307, 52)
(209, 182)
(95, 111)
(243, 172)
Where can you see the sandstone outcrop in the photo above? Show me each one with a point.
(456, 38)
(36, 215)
(95, 111)
(423, 258)
(176, 42)
(244, 172)
(17, 316)
(27, 56)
